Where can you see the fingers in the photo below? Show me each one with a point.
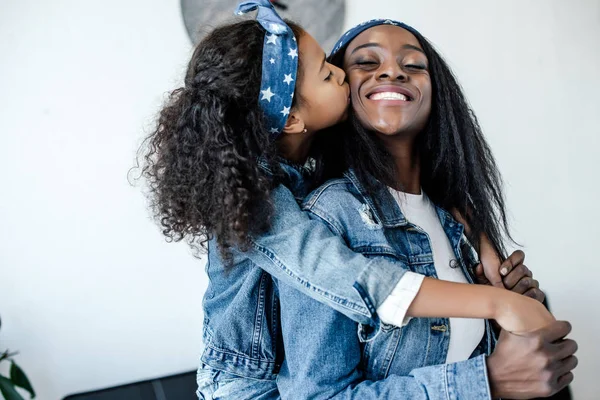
(490, 262)
(525, 284)
(564, 349)
(516, 258)
(480, 275)
(517, 274)
(567, 365)
(555, 331)
(479, 271)
(490, 272)
(536, 293)
(493, 277)
(520, 278)
(564, 380)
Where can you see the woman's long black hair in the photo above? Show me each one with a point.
(201, 159)
(458, 170)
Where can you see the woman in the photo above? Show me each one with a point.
(414, 151)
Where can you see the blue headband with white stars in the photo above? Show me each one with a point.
(363, 26)
(279, 64)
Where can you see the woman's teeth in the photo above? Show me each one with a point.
(388, 96)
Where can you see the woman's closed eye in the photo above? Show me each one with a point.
(329, 76)
(365, 62)
(421, 67)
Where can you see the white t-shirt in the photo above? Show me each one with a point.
(466, 333)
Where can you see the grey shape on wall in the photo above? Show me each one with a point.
(324, 19)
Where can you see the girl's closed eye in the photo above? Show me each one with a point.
(329, 75)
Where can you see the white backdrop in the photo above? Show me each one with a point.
(90, 293)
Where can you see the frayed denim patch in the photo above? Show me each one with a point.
(367, 216)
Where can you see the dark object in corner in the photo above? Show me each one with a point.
(173, 387)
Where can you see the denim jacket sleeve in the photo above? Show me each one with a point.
(303, 252)
(323, 356)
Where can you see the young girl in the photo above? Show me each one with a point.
(225, 169)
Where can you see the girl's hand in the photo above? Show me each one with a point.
(521, 314)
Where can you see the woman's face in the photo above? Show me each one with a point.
(389, 81)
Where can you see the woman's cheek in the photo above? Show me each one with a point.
(363, 116)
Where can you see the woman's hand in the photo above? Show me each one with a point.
(518, 278)
(488, 272)
(512, 273)
(531, 365)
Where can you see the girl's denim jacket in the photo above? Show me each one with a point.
(242, 333)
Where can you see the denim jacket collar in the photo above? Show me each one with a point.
(386, 210)
(381, 202)
(298, 178)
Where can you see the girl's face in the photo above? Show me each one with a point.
(324, 94)
(389, 81)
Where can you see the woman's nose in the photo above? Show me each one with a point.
(391, 70)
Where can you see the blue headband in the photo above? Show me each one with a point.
(279, 64)
(363, 26)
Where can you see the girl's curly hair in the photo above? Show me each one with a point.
(201, 160)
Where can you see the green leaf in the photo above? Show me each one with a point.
(19, 379)
(8, 390)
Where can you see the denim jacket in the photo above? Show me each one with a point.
(241, 332)
(325, 358)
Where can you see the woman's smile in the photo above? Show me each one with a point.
(389, 81)
(393, 95)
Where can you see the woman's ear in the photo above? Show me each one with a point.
(294, 124)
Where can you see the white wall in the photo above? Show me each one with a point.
(89, 291)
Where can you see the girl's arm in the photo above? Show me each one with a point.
(512, 311)
(304, 253)
(308, 255)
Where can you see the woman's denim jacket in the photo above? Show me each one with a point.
(241, 330)
(325, 358)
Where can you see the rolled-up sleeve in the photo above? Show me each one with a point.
(393, 309)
